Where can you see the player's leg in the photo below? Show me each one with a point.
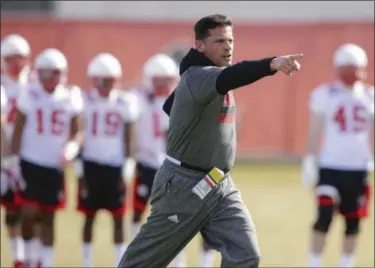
(177, 215)
(231, 231)
(37, 243)
(87, 238)
(90, 194)
(51, 200)
(354, 203)
(141, 194)
(118, 237)
(28, 199)
(48, 238)
(32, 243)
(327, 199)
(114, 202)
(12, 221)
(207, 255)
(13, 224)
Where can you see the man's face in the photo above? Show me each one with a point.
(164, 85)
(15, 64)
(104, 84)
(50, 79)
(218, 46)
(350, 74)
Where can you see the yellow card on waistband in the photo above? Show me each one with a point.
(216, 175)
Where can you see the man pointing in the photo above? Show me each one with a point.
(193, 190)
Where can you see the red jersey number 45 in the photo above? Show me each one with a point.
(351, 119)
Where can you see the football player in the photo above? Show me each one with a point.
(107, 151)
(342, 114)
(15, 61)
(46, 137)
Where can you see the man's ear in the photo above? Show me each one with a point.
(199, 45)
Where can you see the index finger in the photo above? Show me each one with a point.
(296, 56)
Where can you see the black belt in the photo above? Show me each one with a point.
(199, 169)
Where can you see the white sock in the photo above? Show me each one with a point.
(17, 248)
(119, 251)
(135, 229)
(37, 255)
(47, 257)
(32, 252)
(347, 260)
(87, 255)
(179, 260)
(315, 260)
(207, 258)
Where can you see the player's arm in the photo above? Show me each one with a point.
(129, 139)
(163, 119)
(4, 103)
(131, 115)
(317, 108)
(75, 139)
(372, 144)
(129, 150)
(164, 125)
(316, 121)
(73, 145)
(23, 106)
(4, 148)
(3, 137)
(19, 124)
(372, 134)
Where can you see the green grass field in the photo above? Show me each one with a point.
(282, 210)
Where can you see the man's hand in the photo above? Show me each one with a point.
(69, 152)
(11, 172)
(287, 64)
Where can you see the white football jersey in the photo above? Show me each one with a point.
(47, 126)
(152, 126)
(104, 120)
(348, 122)
(12, 89)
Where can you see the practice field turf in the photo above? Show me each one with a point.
(282, 210)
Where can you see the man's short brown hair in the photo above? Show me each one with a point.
(205, 24)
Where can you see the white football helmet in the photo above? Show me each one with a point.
(350, 54)
(15, 44)
(159, 65)
(104, 65)
(12, 45)
(51, 58)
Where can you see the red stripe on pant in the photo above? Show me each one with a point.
(22, 201)
(138, 205)
(325, 201)
(362, 211)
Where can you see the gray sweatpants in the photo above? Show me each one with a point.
(221, 217)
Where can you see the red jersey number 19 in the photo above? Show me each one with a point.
(112, 123)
